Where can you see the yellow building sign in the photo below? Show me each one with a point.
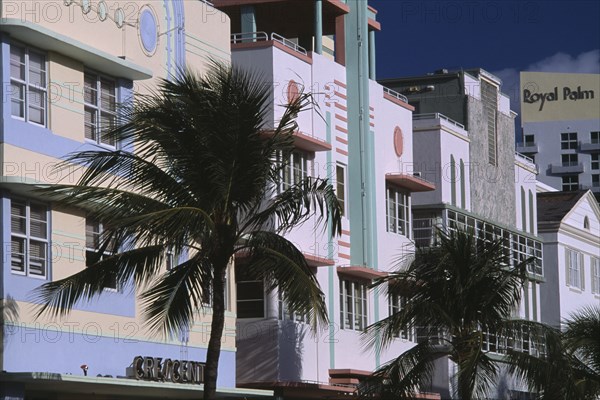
(554, 96)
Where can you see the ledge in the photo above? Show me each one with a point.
(91, 57)
(361, 272)
(305, 142)
(409, 182)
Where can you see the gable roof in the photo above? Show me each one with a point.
(552, 207)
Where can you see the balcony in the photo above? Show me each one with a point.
(424, 122)
(589, 147)
(566, 168)
(527, 147)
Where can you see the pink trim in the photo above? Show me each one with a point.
(339, 83)
(361, 272)
(410, 182)
(344, 256)
(343, 244)
(342, 152)
(272, 43)
(345, 232)
(343, 130)
(340, 95)
(341, 118)
(341, 107)
(341, 140)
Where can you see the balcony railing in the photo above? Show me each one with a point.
(527, 147)
(395, 94)
(418, 117)
(250, 37)
(589, 146)
(524, 158)
(566, 168)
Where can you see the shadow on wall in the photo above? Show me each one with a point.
(9, 314)
(269, 351)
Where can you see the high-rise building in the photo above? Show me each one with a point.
(463, 141)
(561, 128)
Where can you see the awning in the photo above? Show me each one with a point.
(361, 272)
(409, 182)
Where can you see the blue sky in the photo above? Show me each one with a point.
(422, 36)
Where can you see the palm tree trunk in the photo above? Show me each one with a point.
(216, 332)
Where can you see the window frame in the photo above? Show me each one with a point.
(292, 173)
(595, 180)
(97, 108)
(569, 159)
(575, 269)
(107, 252)
(595, 162)
(356, 321)
(28, 87)
(284, 315)
(405, 206)
(568, 141)
(395, 304)
(240, 279)
(570, 186)
(595, 274)
(595, 137)
(27, 238)
(341, 187)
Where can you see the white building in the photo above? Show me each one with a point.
(569, 223)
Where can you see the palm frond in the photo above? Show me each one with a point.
(281, 265)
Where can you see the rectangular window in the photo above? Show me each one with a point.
(568, 141)
(569, 160)
(595, 273)
(595, 137)
(529, 140)
(353, 305)
(28, 83)
(574, 269)
(397, 303)
(489, 97)
(398, 212)
(596, 180)
(285, 314)
(295, 169)
(29, 238)
(250, 295)
(95, 247)
(340, 179)
(100, 108)
(570, 183)
(595, 161)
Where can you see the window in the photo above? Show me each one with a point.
(595, 273)
(489, 96)
(29, 238)
(397, 303)
(570, 183)
(569, 160)
(529, 140)
(595, 137)
(398, 212)
(100, 108)
(574, 269)
(340, 175)
(250, 295)
(295, 169)
(95, 248)
(595, 161)
(586, 223)
(568, 141)
(596, 180)
(353, 305)
(170, 260)
(285, 314)
(28, 84)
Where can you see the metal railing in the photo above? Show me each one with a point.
(526, 144)
(523, 157)
(418, 117)
(248, 37)
(395, 94)
(208, 3)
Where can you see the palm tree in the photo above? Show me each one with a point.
(455, 293)
(200, 183)
(569, 369)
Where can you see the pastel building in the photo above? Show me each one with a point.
(561, 128)
(359, 135)
(463, 135)
(65, 66)
(569, 223)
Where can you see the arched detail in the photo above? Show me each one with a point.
(523, 211)
(463, 187)
(586, 223)
(531, 213)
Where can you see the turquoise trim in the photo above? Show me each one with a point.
(319, 26)
(330, 255)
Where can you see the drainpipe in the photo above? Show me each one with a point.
(319, 26)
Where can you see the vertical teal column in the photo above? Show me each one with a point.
(248, 19)
(319, 26)
(360, 158)
(372, 66)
